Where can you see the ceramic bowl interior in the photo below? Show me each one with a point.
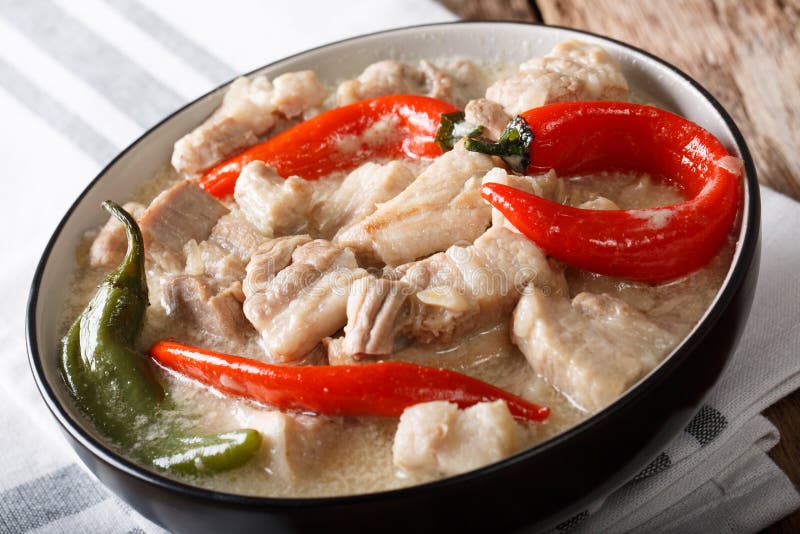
(650, 78)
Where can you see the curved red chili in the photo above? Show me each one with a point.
(383, 389)
(341, 139)
(652, 245)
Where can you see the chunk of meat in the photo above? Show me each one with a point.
(177, 215)
(593, 348)
(599, 203)
(438, 83)
(489, 114)
(469, 287)
(234, 233)
(443, 206)
(358, 196)
(208, 258)
(375, 308)
(274, 206)
(545, 185)
(391, 77)
(194, 299)
(468, 80)
(296, 92)
(303, 302)
(292, 445)
(249, 109)
(270, 258)
(572, 71)
(438, 439)
(246, 113)
(445, 296)
(108, 248)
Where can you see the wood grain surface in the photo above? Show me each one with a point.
(747, 54)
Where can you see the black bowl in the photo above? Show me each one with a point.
(538, 487)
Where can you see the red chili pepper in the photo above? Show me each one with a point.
(403, 125)
(384, 388)
(652, 245)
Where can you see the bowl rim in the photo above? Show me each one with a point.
(734, 280)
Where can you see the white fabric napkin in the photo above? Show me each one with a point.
(80, 80)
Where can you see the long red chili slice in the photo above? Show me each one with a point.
(652, 245)
(341, 139)
(383, 389)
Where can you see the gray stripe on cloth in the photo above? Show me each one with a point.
(58, 494)
(96, 145)
(84, 53)
(706, 425)
(171, 38)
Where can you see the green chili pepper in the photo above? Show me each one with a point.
(191, 455)
(115, 386)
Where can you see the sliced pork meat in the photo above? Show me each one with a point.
(108, 248)
(599, 203)
(438, 439)
(375, 309)
(443, 206)
(489, 114)
(234, 233)
(443, 297)
(358, 196)
(246, 114)
(270, 258)
(273, 205)
(182, 213)
(469, 287)
(292, 445)
(249, 110)
(195, 300)
(438, 83)
(208, 258)
(572, 71)
(391, 77)
(545, 185)
(295, 307)
(593, 348)
(296, 92)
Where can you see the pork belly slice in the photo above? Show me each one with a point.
(209, 259)
(108, 248)
(488, 114)
(296, 301)
(466, 288)
(177, 215)
(438, 439)
(249, 110)
(358, 196)
(292, 444)
(592, 348)
(273, 205)
(391, 77)
(443, 206)
(443, 297)
(234, 233)
(572, 71)
(197, 301)
(376, 308)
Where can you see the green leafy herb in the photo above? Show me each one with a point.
(513, 146)
(453, 128)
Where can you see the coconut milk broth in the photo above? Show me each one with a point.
(357, 455)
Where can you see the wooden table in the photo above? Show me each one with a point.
(746, 53)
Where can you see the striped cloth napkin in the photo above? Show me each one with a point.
(81, 80)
